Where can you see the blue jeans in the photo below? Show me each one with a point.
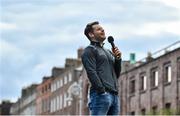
(104, 104)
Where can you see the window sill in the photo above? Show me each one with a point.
(131, 94)
(154, 88)
(167, 83)
(178, 79)
(142, 91)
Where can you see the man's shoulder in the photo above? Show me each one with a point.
(90, 49)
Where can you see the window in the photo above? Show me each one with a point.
(60, 101)
(55, 87)
(42, 90)
(132, 86)
(48, 104)
(143, 111)
(154, 78)
(57, 102)
(168, 108)
(70, 77)
(52, 87)
(43, 104)
(69, 102)
(132, 113)
(167, 74)
(178, 67)
(49, 86)
(65, 79)
(51, 106)
(54, 105)
(154, 110)
(143, 82)
(46, 88)
(61, 83)
(58, 84)
(65, 97)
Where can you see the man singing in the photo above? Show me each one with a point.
(103, 69)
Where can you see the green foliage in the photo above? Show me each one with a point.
(164, 112)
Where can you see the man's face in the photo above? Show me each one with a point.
(98, 33)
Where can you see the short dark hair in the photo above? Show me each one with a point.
(89, 29)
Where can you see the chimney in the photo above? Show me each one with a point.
(23, 92)
(70, 62)
(45, 78)
(79, 52)
(132, 58)
(57, 71)
(149, 57)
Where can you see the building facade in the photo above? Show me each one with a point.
(26, 105)
(145, 87)
(151, 86)
(63, 101)
(5, 107)
(43, 96)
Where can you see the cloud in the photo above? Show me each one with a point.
(37, 36)
(152, 29)
(10, 52)
(7, 26)
(124, 31)
(171, 3)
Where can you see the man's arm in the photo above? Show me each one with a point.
(117, 67)
(117, 63)
(89, 62)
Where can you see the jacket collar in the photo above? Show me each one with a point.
(97, 44)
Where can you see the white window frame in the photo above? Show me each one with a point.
(54, 104)
(69, 77)
(145, 83)
(58, 86)
(61, 103)
(65, 100)
(52, 87)
(51, 110)
(57, 102)
(169, 74)
(61, 82)
(65, 79)
(156, 78)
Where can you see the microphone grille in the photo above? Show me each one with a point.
(110, 39)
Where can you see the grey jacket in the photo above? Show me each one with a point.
(102, 68)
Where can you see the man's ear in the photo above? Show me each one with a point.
(91, 35)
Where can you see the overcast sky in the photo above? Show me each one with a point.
(37, 35)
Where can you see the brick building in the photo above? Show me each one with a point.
(57, 94)
(62, 102)
(153, 85)
(5, 107)
(43, 96)
(26, 105)
(66, 87)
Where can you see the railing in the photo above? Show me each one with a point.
(159, 53)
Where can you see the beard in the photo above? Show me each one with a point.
(101, 39)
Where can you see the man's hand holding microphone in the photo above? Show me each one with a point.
(115, 50)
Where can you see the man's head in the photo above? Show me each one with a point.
(94, 32)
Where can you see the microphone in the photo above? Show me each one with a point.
(111, 41)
